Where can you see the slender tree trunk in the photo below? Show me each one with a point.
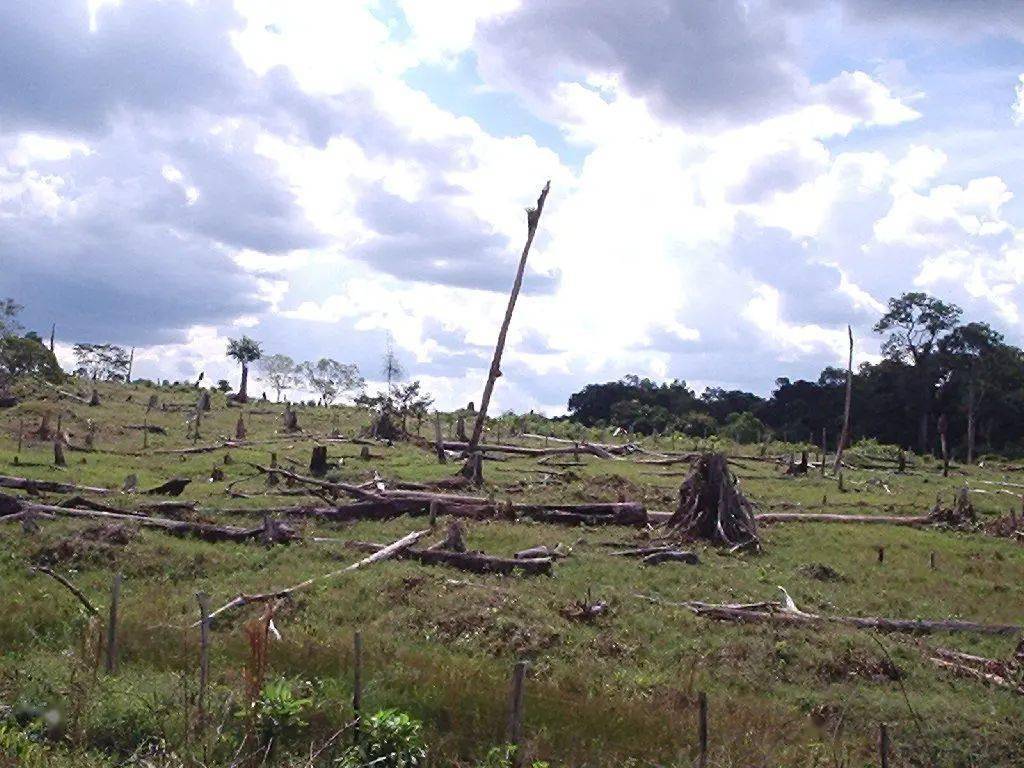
(131, 361)
(972, 424)
(844, 436)
(243, 388)
(532, 219)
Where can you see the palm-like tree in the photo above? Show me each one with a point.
(245, 351)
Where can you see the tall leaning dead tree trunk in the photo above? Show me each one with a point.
(532, 219)
(844, 438)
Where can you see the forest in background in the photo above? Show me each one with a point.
(936, 371)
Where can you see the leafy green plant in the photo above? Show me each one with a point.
(277, 714)
(389, 739)
(502, 756)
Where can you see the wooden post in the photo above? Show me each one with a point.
(515, 712)
(115, 597)
(357, 685)
(931, 561)
(883, 745)
(204, 654)
(881, 555)
(435, 507)
(439, 439)
(21, 432)
(702, 729)
(532, 219)
(58, 453)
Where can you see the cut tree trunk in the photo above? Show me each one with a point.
(844, 436)
(711, 507)
(532, 219)
(318, 461)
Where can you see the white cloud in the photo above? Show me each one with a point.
(1018, 104)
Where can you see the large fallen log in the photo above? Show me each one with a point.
(47, 486)
(823, 517)
(474, 562)
(786, 613)
(389, 551)
(205, 531)
(522, 450)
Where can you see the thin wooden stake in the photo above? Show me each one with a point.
(931, 561)
(357, 686)
(702, 729)
(883, 745)
(515, 712)
(21, 432)
(204, 654)
(115, 597)
(881, 555)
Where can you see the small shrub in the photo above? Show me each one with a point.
(389, 739)
(277, 713)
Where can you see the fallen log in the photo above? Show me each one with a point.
(205, 531)
(153, 429)
(47, 486)
(335, 488)
(787, 613)
(383, 554)
(823, 517)
(671, 556)
(474, 562)
(1005, 674)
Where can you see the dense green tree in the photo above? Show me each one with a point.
(915, 324)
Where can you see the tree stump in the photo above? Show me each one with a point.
(318, 461)
(204, 400)
(291, 419)
(711, 507)
(240, 431)
(473, 469)
(364, 453)
(94, 399)
(460, 429)
(58, 454)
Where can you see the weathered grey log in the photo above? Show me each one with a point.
(670, 556)
(473, 562)
(47, 486)
(823, 517)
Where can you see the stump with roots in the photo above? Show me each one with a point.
(711, 507)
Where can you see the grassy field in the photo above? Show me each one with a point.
(440, 644)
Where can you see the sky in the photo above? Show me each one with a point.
(732, 182)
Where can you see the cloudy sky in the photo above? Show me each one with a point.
(732, 181)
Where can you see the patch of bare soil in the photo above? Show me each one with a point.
(90, 546)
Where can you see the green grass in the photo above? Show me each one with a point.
(440, 644)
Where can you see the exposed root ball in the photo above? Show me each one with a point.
(711, 507)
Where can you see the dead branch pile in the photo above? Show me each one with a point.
(1005, 674)
(787, 613)
(711, 507)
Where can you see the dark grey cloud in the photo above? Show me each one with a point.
(436, 240)
(160, 57)
(782, 172)
(958, 18)
(702, 62)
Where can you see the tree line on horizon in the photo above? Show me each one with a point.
(936, 373)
